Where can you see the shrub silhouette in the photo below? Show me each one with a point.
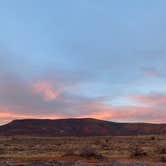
(162, 150)
(163, 159)
(90, 152)
(138, 152)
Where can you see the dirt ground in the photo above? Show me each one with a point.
(18, 149)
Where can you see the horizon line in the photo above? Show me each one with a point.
(79, 118)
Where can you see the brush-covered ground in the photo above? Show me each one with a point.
(145, 149)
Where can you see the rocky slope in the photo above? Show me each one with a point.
(79, 127)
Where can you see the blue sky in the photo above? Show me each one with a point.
(83, 58)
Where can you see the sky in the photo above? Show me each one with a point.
(101, 59)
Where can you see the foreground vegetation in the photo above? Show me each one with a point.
(87, 149)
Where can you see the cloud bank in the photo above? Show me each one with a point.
(83, 59)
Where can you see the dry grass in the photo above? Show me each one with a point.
(143, 148)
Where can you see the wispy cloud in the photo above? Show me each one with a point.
(152, 99)
(53, 97)
(19, 102)
(153, 72)
(46, 90)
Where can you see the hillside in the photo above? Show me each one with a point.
(79, 127)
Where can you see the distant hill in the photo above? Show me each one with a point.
(79, 127)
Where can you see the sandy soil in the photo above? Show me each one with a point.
(70, 163)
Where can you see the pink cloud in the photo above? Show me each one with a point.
(151, 99)
(21, 100)
(95, 110)
(7, 115)
(123, 113)
(152, 72)
(46, 90)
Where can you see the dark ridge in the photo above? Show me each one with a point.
(79, 127)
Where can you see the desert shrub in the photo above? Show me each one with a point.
(107, 140)
(6, 144)
(13, 138)
(163, 159)
(90, 152)
(18, 149)
(2, 150)
(105, 146)
(153, 138)
(162, 150)
(97, 142)
(70, 152)
(138, 152)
